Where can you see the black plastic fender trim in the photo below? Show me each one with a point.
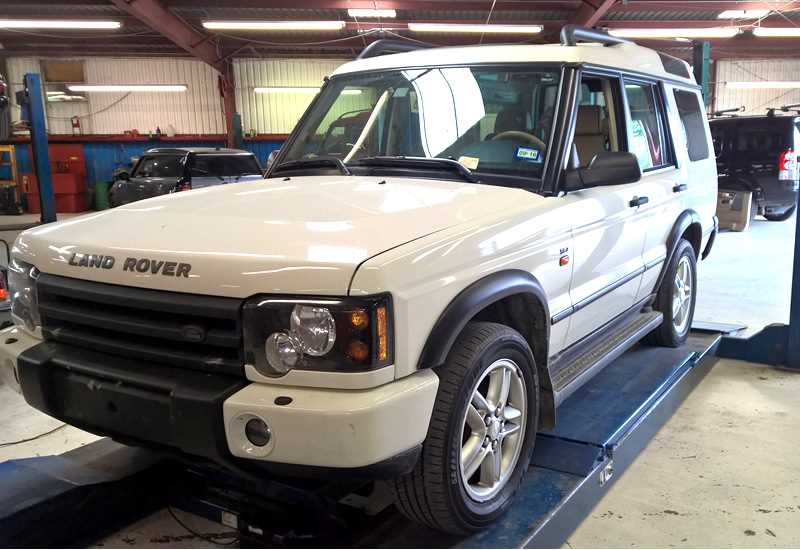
(472, 300)
(686, 219)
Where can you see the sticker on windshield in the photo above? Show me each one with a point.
(529, 155)
(469, 162)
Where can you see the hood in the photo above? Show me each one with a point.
(304, 235)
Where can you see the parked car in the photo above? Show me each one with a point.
(759, 154)
(413, 304)
(168, 170)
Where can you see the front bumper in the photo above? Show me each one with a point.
(373, 432)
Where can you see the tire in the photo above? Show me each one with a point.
(435, 493)
(782, 217)
(672, 333)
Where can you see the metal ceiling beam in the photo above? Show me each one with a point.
(589, 14)
(155, 15)
(160, 19)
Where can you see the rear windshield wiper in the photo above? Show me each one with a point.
(419, 162)
(316, 162)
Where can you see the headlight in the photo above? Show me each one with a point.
(346, 335)
(22, 290)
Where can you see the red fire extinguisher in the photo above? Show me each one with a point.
(76, 126)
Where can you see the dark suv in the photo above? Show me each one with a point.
(759, 154)
(162, 170)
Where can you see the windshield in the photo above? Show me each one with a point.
(224, 166)
(495, 120)
(159, 166)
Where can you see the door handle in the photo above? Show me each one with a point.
(638, 201)
(679, 188)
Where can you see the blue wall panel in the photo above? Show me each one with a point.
(102, 158)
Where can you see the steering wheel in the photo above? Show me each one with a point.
(517, 135)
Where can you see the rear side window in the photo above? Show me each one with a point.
(693, 121)
(224, 166)
(159, 166)
(646, 134)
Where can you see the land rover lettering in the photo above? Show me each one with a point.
(149, 265)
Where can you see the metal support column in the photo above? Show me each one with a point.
(41, 155)
(701, 60)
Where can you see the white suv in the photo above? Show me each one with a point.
(451, 242)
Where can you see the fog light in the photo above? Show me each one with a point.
(257, 432)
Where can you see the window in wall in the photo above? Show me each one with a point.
(646, 136)
(692, 119)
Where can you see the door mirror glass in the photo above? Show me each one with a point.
(606, 168)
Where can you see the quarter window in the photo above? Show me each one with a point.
(692, 119)
(646, 137)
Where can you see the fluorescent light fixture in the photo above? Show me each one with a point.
(299, 90)
(764, 85)
(698, 32)
(286, 90)
(474, 28)
(385, 13)
(743, 14)
(57, 24)
(126, 87)
(274, 25)
(777, 31)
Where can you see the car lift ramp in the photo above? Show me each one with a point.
(79, 497)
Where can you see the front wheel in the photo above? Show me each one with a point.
(676, 298)
(481, 435)
(783, 216)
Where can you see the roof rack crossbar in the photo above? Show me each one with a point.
(385, 46)
(572, 34)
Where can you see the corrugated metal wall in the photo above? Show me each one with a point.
(277, 113)
(196, 111)
(751, 70)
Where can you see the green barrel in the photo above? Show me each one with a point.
(101, 195)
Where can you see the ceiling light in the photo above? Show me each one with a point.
(286, 90)
(299, 90)
(274, 25)
(57, 24)
(777, 31)
(698, 32)
(743, 14)
(764, 85)
(126, 87)
(474, 28)
(356, 12)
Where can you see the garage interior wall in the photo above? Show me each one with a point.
(197, 111)
(277, 113)
(756, 70)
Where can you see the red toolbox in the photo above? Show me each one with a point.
(63, 184)
(64, 203)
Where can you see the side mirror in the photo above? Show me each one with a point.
(606, 168)
(124, 176)
(270, 159)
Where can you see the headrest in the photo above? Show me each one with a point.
(589, 120)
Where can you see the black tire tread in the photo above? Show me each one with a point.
(664, 335)
(420, 495)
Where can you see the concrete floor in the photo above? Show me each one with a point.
(723, 472)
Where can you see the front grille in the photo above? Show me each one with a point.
(186, 330)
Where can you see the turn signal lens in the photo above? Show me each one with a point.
(383, 339)
(359, 318)
(358, 350)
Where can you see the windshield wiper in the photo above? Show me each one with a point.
(315, 162)
(419, 162)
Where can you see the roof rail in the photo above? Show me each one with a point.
(386, 46)
(572, 34)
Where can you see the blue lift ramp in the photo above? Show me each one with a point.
(600, 430)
